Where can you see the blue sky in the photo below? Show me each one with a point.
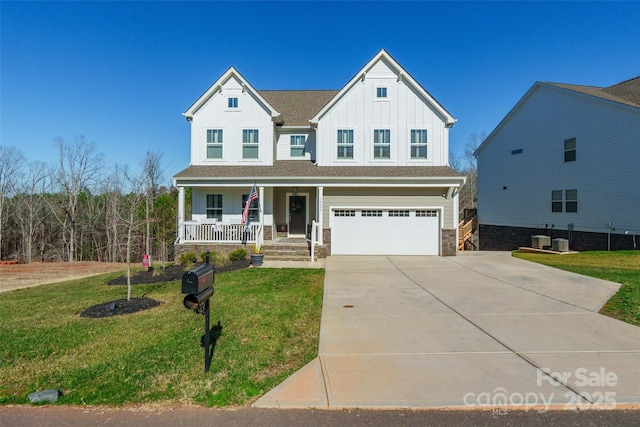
(122, 73)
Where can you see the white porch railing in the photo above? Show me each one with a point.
(194, 231)
(314, 238)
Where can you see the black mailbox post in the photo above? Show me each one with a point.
(197, 283)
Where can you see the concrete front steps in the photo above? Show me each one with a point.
(290, 249)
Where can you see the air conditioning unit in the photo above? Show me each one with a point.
(560, 245)
(539, 242)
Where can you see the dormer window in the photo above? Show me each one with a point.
(381, 92)
(233, 102)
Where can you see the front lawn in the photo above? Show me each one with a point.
(270, 322)
(619, 266)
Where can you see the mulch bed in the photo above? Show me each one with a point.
(118, 307)
(172, 273)
(169, 274)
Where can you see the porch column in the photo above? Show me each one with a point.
(180, 214)
(261, 214)
(319, 196)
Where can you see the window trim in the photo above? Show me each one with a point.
(214, 144)
(292, 145)
(340, 146)
(413, 144)
(378, 90)
(381, 145)
(570, 154)
(246, 144)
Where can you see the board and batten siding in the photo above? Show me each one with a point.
(605, 173)
(388, 198)
(402, 110)
(216, 114)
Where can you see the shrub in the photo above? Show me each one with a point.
(237, 254)
(188, 258)
(215, 258)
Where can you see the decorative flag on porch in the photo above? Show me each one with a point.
(253, 195)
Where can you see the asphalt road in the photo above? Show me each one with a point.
(66, 416)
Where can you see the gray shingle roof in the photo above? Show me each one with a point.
(305, 168)
(627, 92)
(297, 106)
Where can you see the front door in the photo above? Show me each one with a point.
(297, 214)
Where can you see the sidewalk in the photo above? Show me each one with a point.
(469, 331)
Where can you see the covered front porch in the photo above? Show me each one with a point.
(215, 214)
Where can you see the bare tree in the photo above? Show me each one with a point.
(130, 204)
(79, 167)
(31, 205)
(11, 160)
(151, 176)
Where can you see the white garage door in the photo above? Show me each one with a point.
(397, 231)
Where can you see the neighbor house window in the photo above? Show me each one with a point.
(381, 144)
(381, 92)
(297, 145)
(556, 201)
(254, 215)
(345, 144)
(418, 143)
(570, 150)
(571, 200)
(214, 206)
(232, 103)
(250, 140)
(214, 143)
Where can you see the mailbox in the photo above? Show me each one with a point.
(197, 283)
(197, 280)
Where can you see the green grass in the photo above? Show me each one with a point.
(270, 320)
(619, 266)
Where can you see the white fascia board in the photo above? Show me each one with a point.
(435, 182)
(450, 120)
(231, 72)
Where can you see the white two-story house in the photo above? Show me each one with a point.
(565, 163)
(360, 170)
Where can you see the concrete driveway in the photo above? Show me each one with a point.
(477, 330)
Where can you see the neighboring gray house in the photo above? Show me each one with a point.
(565, 162)
(361, 170)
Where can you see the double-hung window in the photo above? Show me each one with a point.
(570, 200)
(345, 144)
(254, 215)
(214, 206)
(214, 143)
(297, 145)
(232, 102)
(570, 150)
(250, 141)
(418, 143)
(556, 201)
(381, 144)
